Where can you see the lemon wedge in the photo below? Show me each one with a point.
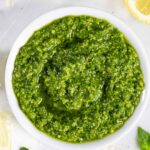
(140, 9)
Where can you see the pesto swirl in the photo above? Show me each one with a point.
(78, 79)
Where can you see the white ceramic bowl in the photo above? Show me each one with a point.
(23, 37)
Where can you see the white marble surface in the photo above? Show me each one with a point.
(15, 17)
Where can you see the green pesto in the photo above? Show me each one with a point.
(78, 79)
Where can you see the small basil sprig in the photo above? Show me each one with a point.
(23, 148)
(143, 139)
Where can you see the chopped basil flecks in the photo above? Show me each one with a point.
(78, 79)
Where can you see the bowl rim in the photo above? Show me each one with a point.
(41, 21)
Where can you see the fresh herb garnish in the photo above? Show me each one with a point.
(23, 148)
(143, 139)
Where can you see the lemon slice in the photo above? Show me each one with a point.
(140, 9)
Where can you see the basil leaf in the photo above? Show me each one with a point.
(143, 139)
(23, 148)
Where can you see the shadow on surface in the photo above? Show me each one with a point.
(3, 99)
(3, 59)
